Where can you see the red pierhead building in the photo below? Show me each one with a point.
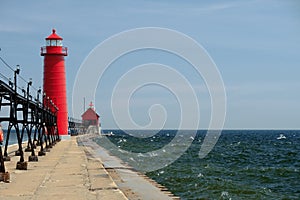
(55, 78)
(90, 117)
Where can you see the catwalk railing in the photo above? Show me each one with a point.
(28, 116)
(75, 126)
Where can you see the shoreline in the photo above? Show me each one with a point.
(134, 184)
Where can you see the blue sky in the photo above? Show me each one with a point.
(254, 43)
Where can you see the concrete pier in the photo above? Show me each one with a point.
(64, 173)
(133, 184)
(72, 171)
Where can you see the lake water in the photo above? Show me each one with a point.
(244, 164)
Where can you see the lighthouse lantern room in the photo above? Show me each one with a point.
(54, 82)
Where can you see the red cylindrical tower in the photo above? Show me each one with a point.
(55, 78)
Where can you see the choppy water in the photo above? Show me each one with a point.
(244, 164)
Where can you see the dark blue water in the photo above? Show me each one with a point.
(244, 164)
(13, 137)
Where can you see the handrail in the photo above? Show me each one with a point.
(54, 50)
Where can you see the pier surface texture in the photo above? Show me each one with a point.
(71, 171)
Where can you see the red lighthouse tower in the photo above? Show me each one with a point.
(55, 78)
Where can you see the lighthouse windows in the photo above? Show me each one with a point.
(53, 43)
(59, 43)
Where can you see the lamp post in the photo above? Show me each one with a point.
(28, 84)
(37, 116)
(16, 72)
(26, 112)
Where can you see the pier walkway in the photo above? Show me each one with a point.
(73, 170)
(64, 173)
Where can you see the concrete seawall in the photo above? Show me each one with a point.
(133, 184)
(72, 171)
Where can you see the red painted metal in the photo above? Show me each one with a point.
(55, 78)
(1, 135)
(90, 116)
